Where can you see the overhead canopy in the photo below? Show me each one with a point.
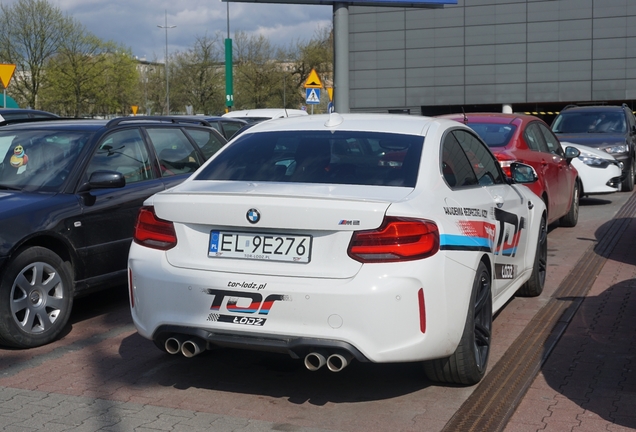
(11, 103)
(385, 3)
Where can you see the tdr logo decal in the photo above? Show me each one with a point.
(257, 306)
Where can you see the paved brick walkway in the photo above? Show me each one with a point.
(589, 381)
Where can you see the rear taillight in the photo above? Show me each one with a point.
(398, 239)
(505, 163)
(152, 232)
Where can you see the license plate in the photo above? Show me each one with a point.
(265, 247)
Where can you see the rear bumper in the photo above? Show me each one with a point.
(375, 315)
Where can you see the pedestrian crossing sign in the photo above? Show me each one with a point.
(313, 96)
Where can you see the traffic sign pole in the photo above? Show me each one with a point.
(312, 87)
(6, 73)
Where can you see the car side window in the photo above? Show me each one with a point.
(175, 152)
(123, 151)
(230, 128)
(534, 138)
(456, 168)
(551, 141)
(484, 164)
(207, 141)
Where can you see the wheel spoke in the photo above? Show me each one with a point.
(24, 284)
(43, 320)
(54, 302)
(19, 305)
(482, 297)
(482, 335)
(29, 319)
(482, 322)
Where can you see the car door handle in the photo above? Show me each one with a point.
(499, 201)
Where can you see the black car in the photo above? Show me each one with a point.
(608, 128)
(8, 114)
(228, 126)
(70, 191)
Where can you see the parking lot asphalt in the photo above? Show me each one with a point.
(587, 383)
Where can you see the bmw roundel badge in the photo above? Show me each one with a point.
(253, 216)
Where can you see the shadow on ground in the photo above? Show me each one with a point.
(272, 374)
(594, 363)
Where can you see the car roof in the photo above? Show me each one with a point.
(96, 124)
(266, 112)
(489, 117)
(212, 118)
(389, 123)
(593, 108)
(63, 124)
(24, 113)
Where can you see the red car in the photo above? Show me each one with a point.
(528, 139)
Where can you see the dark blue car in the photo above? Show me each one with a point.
(70, 191)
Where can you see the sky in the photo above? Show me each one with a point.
(133, 23)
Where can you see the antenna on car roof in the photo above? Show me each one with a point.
(465, 118)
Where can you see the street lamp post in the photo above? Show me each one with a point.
(166, 26)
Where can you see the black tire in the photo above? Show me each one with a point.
(36, 298)
(467, 365)
(534, 286)
(572, 216)
(628, 183)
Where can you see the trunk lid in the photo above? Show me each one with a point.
(327, 213)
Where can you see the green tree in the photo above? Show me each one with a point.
(118, 86)
(74, 74)
(152, 85)
(197, 77)
(258, 76)
(31, 33)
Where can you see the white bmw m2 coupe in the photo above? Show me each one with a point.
(379, 238)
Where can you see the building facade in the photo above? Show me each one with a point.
(517, 55)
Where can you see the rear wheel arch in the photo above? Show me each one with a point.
(56, 245)
(467, 365)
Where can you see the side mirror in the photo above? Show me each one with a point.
(103, 180)
(522, 173)
(571, 153)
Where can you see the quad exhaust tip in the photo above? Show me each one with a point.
(335, 362)
(188, 347)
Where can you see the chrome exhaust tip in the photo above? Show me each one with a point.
(315, 360)
(337, 362)
(192, 347)
(173, 344)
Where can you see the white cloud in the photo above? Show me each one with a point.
(133, 23)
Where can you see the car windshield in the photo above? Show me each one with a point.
(38, 160)
(342, 157)
(589, 122)
(494, 135)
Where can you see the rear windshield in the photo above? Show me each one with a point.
(494, 135)
(342, 157)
